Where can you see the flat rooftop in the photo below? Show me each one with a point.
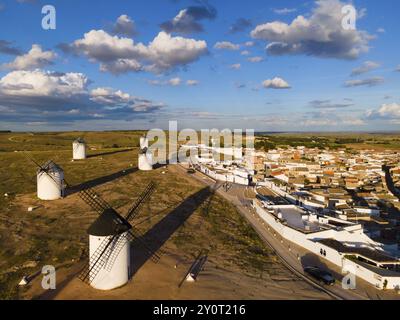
(372, 255)
(294, 219)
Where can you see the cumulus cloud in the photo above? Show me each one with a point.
(276, 83)
(387, 111)
(108, 96)
(321, 34)
(187, 20)
(39, 95)
(35, 58)
(43, 83)
(120, 66)
(124, 26)
(366, 67)
(240, 25)
(7, 48)
(370, 82)
(120, 54)
(245, 53)
(226, 45)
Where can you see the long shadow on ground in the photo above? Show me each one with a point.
(157, 236)
(108, 153)
(99, 181)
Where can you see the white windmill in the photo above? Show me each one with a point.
(50, 181)
(79, 149)
(145, 156)
(110, 235)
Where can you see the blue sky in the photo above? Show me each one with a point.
(263, 65)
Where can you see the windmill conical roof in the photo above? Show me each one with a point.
(109, 223)
(51, 166)
(79, 140)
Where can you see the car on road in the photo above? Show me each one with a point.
(321, 275)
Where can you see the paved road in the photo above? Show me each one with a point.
(390, 183)
(291, 255)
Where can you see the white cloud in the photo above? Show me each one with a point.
(124, 26)
(245, 53)
(35, 58)
(64, 97)
(120, 54)
(366, 67)
(387, 111)
(370, 82)
(174, 82)
(276, 83)
(285, 10)
(235, 66)
(255, 59)
(108, 96)
(321, 34)
(121, 66)
(43, 83)
(226, 45)
(192, 82)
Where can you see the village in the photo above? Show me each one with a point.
(322, 200)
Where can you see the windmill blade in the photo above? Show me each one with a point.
(100, 258)
(45, 170)
(32, 160)
(122, 241)
(132, 213)
(97, 203)
(134, 236)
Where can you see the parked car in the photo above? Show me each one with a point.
(321, 275)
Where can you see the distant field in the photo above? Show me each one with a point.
(356, 141)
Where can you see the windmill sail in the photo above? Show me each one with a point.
(119, 230)
(97, 203)
(140, 201)
(99, 258)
